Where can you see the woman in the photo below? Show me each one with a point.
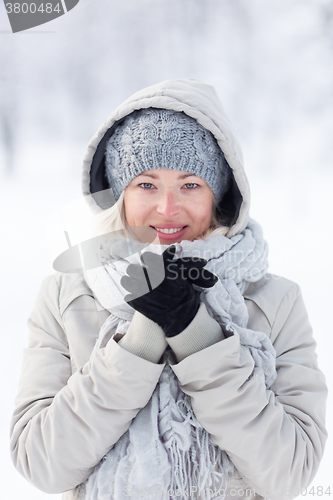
(176, 366)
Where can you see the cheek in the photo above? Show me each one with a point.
(135, 211)
(204, 213)
(128, 206)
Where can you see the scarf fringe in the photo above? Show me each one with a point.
(187, 473)
(165, 443)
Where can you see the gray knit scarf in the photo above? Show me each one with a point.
(166, 453)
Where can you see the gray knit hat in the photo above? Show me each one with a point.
(155, 138)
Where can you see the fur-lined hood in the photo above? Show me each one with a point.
(198, 100)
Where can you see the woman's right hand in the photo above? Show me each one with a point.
(162, 289)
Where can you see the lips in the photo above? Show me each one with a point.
(168, 231)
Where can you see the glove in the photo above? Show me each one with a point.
(163, 290)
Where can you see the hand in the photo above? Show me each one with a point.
(162, 288)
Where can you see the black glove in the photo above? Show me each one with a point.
(162, 289)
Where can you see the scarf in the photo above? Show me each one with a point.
(166, 453)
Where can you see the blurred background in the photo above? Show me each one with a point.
(272, 66)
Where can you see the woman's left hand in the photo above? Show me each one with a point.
(171, 302)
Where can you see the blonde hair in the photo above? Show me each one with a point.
(113, 219)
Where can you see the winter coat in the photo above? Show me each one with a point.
(70, 409)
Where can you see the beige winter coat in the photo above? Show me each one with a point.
(71, 409)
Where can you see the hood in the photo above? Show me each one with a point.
(199, 101)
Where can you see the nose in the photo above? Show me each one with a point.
(169, 204)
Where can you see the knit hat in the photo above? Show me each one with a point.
(155, 138)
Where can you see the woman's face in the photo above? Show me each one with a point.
(176, 205)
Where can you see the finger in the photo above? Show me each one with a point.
(136, 288)
(192, 270)
(152, 260)
(129, 298)
(169, 253)
(136, 272)
(204, 278)
(194, 261)
(155, 268)
(189, 263)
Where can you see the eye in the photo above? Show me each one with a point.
(191, 185)
(146, 185)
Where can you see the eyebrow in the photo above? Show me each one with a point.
(154, 176)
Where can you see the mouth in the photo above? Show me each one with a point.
(168, 233)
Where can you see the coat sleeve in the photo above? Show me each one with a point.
(274, 437)
(63, 423)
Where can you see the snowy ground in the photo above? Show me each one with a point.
(293, 211)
